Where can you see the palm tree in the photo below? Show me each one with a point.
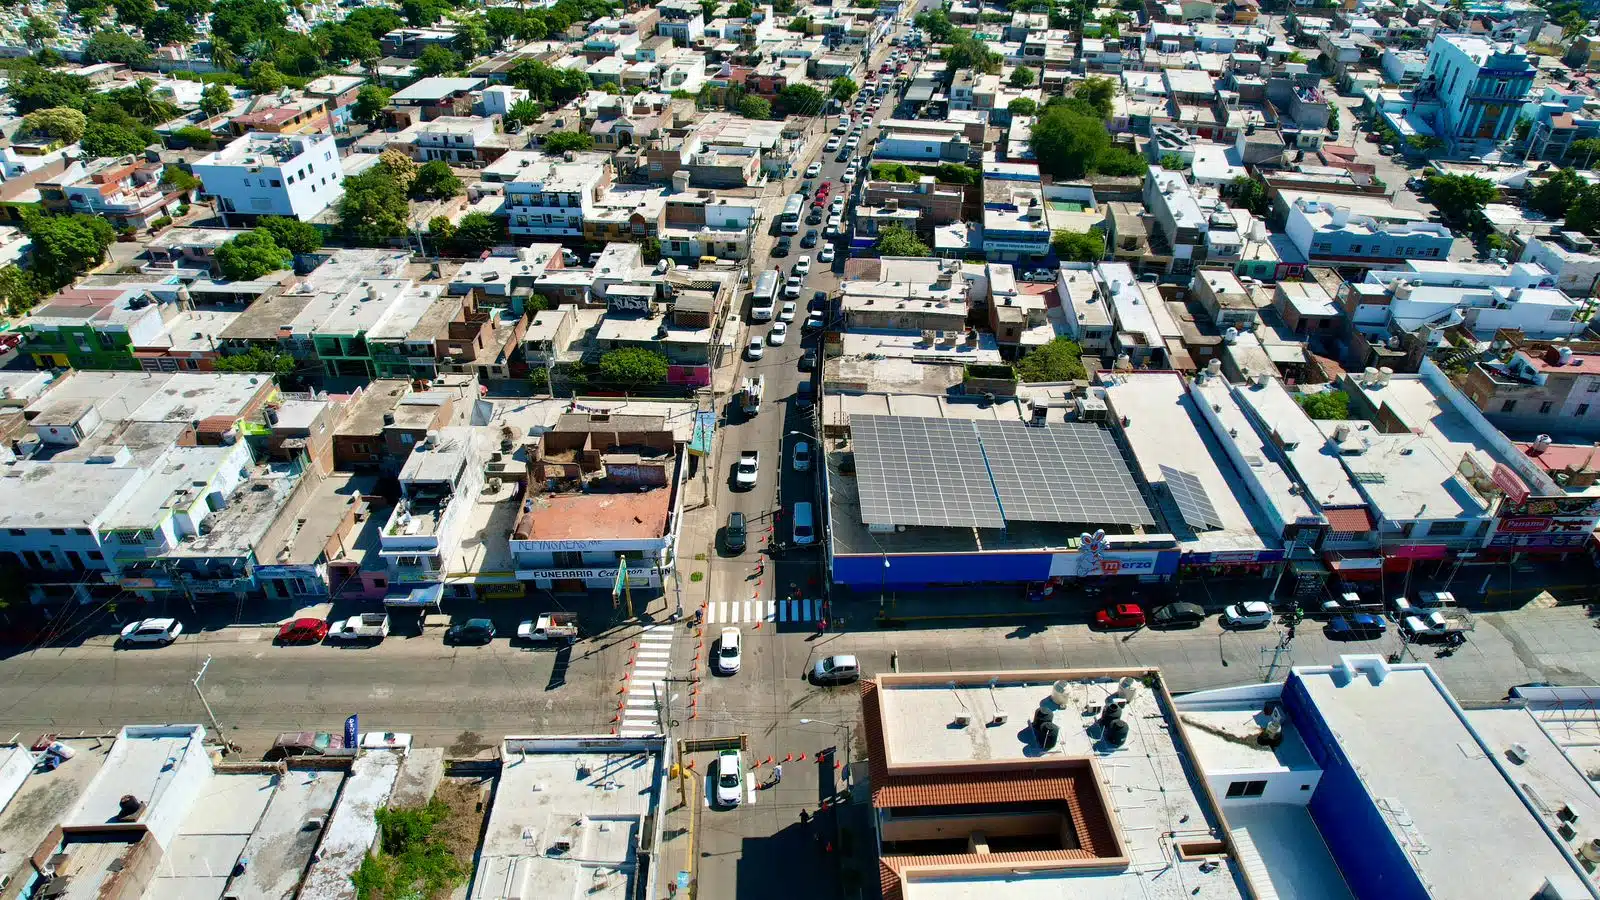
(142, 100)
(258, 49)
(222, 56)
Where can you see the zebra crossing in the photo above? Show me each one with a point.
(647, 681)
(763, 611)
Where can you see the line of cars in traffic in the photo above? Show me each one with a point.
(369, 628)
(1433, 617)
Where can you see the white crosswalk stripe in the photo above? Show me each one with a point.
(725, 612)
(646, 682)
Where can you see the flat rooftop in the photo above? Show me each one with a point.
(300, 536)
(280, 846)
(353, 827)
(933, 742)
(631, 515)
(1166, 432)
(1415, 403)
(1303, 443)
(144, 762)
(155, 397)
(1218, 403)
(532, 417)
(1469, 832)
(44, 800)
(200, 858)
(598, 794)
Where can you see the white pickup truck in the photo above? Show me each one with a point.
(549, 628)
(365, 627)
(1447, 626)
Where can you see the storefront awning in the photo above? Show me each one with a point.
(414, 596)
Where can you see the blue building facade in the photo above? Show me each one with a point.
(1480, 87)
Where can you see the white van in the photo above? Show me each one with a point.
(804, 525)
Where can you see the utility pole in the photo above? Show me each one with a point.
(203, 702)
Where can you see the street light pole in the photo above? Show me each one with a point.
(846, 729)
(205, 703)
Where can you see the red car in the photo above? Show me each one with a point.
(825, 188)
(1119, 615)
(303, 631)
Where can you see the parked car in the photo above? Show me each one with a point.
(831, 145)
(1357, 627)
(1119, 616)
(733, 534)
(836, 670)
(472, 631)
(810, 240)
(365, 627)
(791, 289)
(303, 631)
(730, 778)
(755, 349)
(304, 743)
(1178, 615)
(748, 470)
(1251, 614)
(808, 359)
(778, 334)
(151, 632)
(728, 651)
(549, 628)
(802, 456)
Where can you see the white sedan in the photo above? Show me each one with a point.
(778, 334)
(755, 348)
(832, 145)
(814, 170)
(730, 778)
(826, 254)
(1253, 614)
(848, 176)
(802, 265)
(158, 632)
(786, 314)
(836, 207)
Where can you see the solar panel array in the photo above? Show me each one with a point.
(921, 471)
(1193, 501)
(956, 472)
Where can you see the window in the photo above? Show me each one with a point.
(1447, 529)
(1583, 409)
(1508, 406)
(95, 555)
(58, 531)
(277, 183)
(1545, 407)
(17, 532)
(1594, 387)
(1247, 788)
(1355, 248)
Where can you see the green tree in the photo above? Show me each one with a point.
(799, 100)
(256, 360)
(20, 290)
(1295, 56)
(435, 181)
(1459, 196)
(894, 240)
(562, 141)
(442, 231)
(179, 180)
(61, 123)
(422, 13)
(1022, 106)
(650, 250)
(755, 108)
(114, 46)
(1059, 360)
(1556, 194)
(265, 78)
(741, 10)
(373, 208)
(1021, 77)
(241, 24)
(191, 136)
(39, 31)
(967, 52)
(402, 168)
(1424, 142)
(477, 232)
(370, 101)
(1172, 162)
(1326, 405)
(523, 112)
(1068, 142)
(134, 12)
(1585, 149)
(105, 139)
(189, 9)
(936, 23)
(801, 24)
(292, 234)
(502, 23)
(251, 255)
(167, 27)
(67, 246)
(1072, 246)
(1250, 194)
(1098, 94)
(633, 367)
(436, 60)
(472, 38)
(843, 89)
(215, 100)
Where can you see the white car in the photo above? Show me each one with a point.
(848, 176)
(802, 266)
(159, 632)
(730, 778)
(813, 170)
(792, 289)
(826, 254)
(831, 145)
(786, 314)
(802, 456)
(778, 334)
(747, 471)
(755, 348)
(836, 207)
(853, 142)
(1253, 614)
(728, 654)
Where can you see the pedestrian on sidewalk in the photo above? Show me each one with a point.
(805, 820)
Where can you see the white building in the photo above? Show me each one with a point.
(1571, 257)
(438, 485)
(548, 196)
(1088, 317)
(297, 176)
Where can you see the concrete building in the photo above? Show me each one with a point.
(1544, 388)
(439, 483)
(1480, 87)
(921, 140)
(127, 191)
(1362, 232)
(296, 176)
(1571, 257)
(1086, 315)
(549, 197)
(1178, 224)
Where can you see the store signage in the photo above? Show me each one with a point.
(1515, 489)
(1553, 506)
(1525, 525)
(569, 574)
